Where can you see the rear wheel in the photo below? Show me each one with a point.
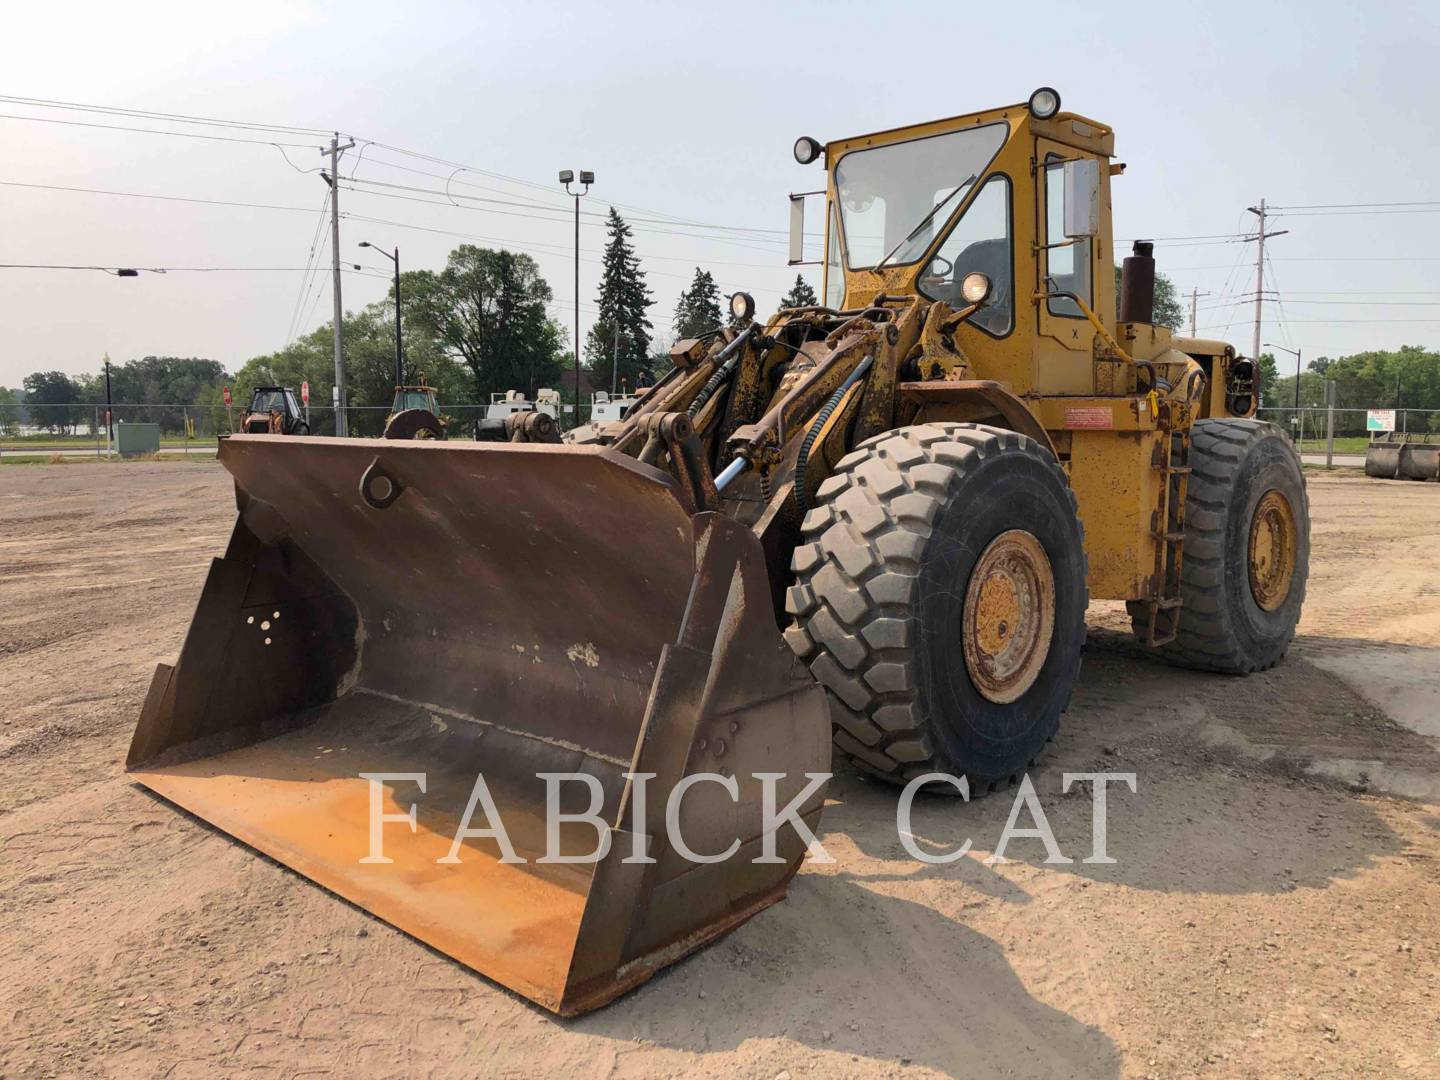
(1247, 549)
(414, 424)
(940, 600)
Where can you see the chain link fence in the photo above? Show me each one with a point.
(80, 430)
(1308, 426)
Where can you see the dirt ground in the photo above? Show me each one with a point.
(1274, 910)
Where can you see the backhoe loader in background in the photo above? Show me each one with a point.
(879, 518)
(414, 413)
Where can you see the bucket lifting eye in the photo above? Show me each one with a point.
(378, 486)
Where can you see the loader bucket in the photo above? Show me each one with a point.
(1382, 460)
(1420, 461)
(448, 610)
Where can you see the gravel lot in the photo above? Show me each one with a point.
(1275, 907)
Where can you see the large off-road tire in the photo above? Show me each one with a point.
(1246, 555)
(931, 666)
(414, 424)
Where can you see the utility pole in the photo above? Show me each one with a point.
(1260, 237)
(333, 179)
(1194, 295)
(110, 409)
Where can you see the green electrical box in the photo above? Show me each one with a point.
(133, 440)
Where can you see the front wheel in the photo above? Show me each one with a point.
(940, 600)
(1246, 556)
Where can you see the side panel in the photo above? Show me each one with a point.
(1118, 490)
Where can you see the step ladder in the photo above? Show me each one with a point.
(1167, 526)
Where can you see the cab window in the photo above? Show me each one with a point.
(1068, 266)
(979, 241)
(834, 276)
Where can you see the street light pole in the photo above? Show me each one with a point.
(586, 178)
(399, 354)
(1295, 353)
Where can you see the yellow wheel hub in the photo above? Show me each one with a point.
(1272, 550)
(1009, 616)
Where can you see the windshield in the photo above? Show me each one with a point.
(413, 399)
(268, 401)
(886, 192)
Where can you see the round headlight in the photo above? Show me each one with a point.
(742, 307)
(806, 150)
(975, 288)
(1044, 103)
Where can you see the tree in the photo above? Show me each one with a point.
(158, 387)
(1267, 380)
(1407, 378)
(698, 311)
(801, 294)
(1168, 311)
(50, 398)
(486, 309)
(369, 370)
(9, 412)
(620, 337)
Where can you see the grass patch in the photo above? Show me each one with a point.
(11, 458)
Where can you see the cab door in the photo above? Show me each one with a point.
(1065, 344)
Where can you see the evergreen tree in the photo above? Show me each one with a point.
(620, 336)
(699, 308)
(801, 294)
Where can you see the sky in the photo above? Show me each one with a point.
(685, 112)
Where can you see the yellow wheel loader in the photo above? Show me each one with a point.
(878, 519)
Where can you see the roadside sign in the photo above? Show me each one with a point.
(227, 395)
(1380, 420)
(305, 392)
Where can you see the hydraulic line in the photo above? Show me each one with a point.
(814, 433)
(729, 357)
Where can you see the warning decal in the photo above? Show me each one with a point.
(1094, 416)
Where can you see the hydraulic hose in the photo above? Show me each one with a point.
(823, 415)
(728, 358)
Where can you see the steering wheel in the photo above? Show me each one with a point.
(935, 275)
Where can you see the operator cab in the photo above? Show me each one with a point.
(999, 211)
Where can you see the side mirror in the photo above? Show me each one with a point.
(797, 229)
(1082, 198)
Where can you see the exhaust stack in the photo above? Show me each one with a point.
(1137, 285)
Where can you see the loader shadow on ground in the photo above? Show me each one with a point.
(857, 975)
(1252, 778)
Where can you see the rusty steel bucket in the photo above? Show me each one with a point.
(1419, 461)
(447, 610)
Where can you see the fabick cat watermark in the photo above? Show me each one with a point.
(482, 820)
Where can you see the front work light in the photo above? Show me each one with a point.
(742, 307)
(806, 150)
(1044, 103)
(975, 288)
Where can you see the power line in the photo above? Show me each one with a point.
(1347, 206)
(157, 131)
(752, 242)
(185, 269)
(46, 103)
(151, 195)
(310, 266)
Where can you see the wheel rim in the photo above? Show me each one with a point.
(1009, 616)
(1272, 550)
